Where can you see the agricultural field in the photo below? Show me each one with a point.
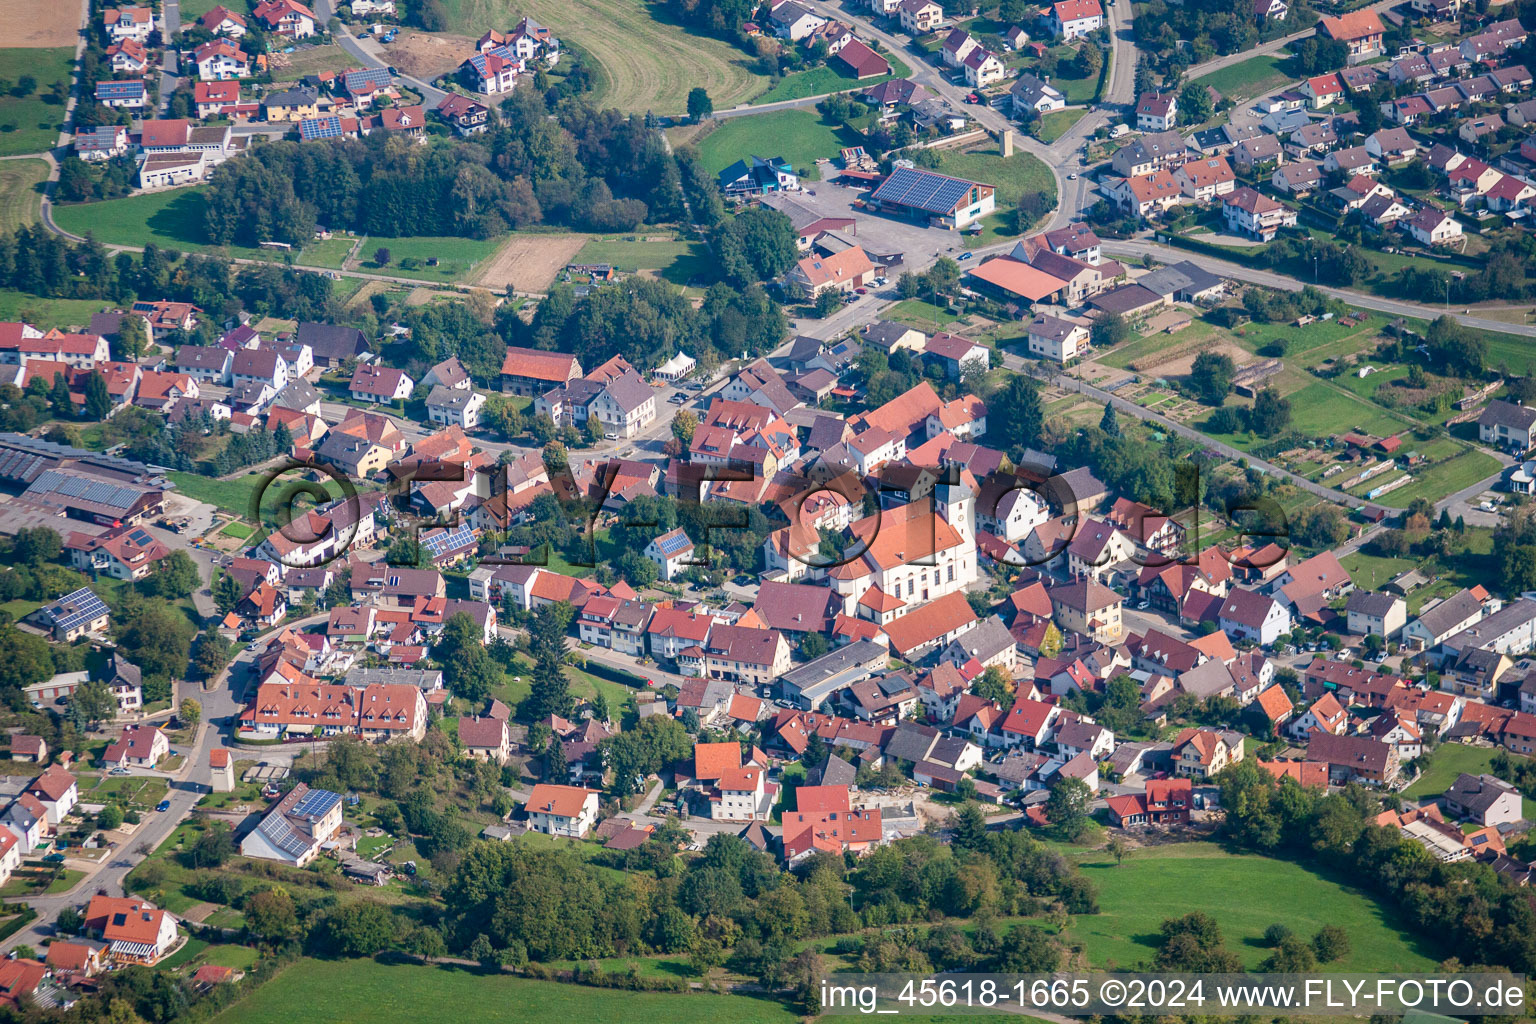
(21, 197)
(42, 26)
(1156, 883)
(528, 262)
(640, 61)
(30, 120)
(677, 260)
(331, 991)
(1247, 79)
(799, 136)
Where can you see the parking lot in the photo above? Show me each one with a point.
(918, 245)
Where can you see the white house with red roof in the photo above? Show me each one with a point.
(1070, 19)
(1157, 111)
(562, 810)
(287, 18)
(135, 930)
(221, 21)
(374, 383)
(136, 23)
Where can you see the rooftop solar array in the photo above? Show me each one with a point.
(315, 804)
(119, 90)
(24, 466)
(320, 128)
(280, 832)
(443, 541)
(75, 609)
(922, 190)
(671, 543)
(99, 492)
(360, 80)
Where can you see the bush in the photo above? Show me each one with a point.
(1276, 934)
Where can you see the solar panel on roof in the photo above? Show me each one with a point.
(315, 803)
(449, 540)
(672, 543)
(376, 77)
(320, 128)
(923, 190)
(76, 608)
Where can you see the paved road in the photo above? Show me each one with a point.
(170, 61)
(368, 53)
(747, 109)
(1393, 307)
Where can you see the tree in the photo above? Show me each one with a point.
(1195, 104)
(994, 685)
(69, 921)
(381, 256)
(1456, 349)
(1112, 330)
(1211, 376)
(468, 667)
(175, 576)
(1019, 416)
(699, 104)
(363, 928)
(189, 711)
(1117, 848)
(970, 827)
(1276, 934)
(271, 915)
(549, 694)
(1109, 423)
(91, 704)
(683, 426)
(1320, 525)
(215, 846)
(210, 654)
(813, 646)
(226, 593)
(1068, 807)
(1271, 414)
(157, 637)
(1089, 60)
(98, 401)
(555, 767)
(1330, 943)
(132, 337)
(828, 302)
(1050, 643)
(110, 817)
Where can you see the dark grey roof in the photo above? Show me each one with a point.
(332, 341)
(1477, 793)
(1179, 279)
(1500, 413)
(199, 358)
(986, 639)
(836, 772)
(911, 742)
(297, 395)
(1370, 602)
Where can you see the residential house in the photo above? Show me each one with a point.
(1157, 111)
(1070, 19)
(562, 810)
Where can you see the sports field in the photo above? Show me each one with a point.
(799, 136)
(30, 123)
(640, 60)
(1245, 894)
(20, 200)
(334, 991)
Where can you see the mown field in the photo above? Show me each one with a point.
(1245, 894)
(335, 992)
(677, 260)
(30, 123)
(830, 77)
(641, 61)
(800, 136)
(1247, 79)
(21, 198)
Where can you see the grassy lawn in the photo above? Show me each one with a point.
(331, 992)
(30, 124)
(640, 58)
(239, 531)
(1444, 479)
(290, 67)
(1300, 340)
(799, 136)
(1318, 411)
(233, 496)
(1517, 353)
(1012, 177)
(21, 200)
(191, 10)
(171, 219)
(1122, 356)
(1246, 79)
(1057, 123)
(677, 260)
(828, 78)
(1239, 891)
(1448, 762)
(46, 313)
(920, 314)
(456, 257)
